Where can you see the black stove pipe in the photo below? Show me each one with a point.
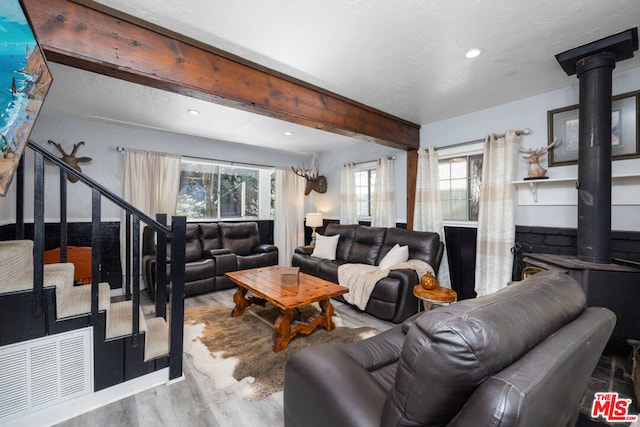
(594, 157)
(593, 63)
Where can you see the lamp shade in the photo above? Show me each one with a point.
(314, 219)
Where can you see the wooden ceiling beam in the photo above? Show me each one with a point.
(92, 37)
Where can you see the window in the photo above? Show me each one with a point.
(460, 184)
(210, 190)
(365, 184)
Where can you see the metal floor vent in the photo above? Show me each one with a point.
(45, 371)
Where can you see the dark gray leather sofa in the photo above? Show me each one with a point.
(212, 249)
(519, 357)
(392, 298)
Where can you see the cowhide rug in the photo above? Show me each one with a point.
(238, 349)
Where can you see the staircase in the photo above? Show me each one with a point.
(42, 311)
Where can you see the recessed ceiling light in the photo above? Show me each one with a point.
(473, 53)
(193, 112)
(288, 133)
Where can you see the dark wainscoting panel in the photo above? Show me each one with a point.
(79, 234)
(563, 241)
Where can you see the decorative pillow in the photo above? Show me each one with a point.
(326, 246)
(396, 255)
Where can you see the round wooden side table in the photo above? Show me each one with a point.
(439, 295)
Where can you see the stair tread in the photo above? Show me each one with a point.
(120, 320)
(157, 338)
(77, 300)
(16, 260)
(58, 275)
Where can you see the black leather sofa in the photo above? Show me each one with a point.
(212, 249)
(522, 356)
(392, 297)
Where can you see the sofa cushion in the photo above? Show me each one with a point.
(328, 270)
(423, 245)
(257, 260)
(549, 379)
(325, 247)
(197, 270)
(193, 249)
(347, 233)
(470, 341)
(210, 237)
(366, 245)
(240, 237)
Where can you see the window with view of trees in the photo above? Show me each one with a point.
(460, 185)
(217, 191)
(365, 184)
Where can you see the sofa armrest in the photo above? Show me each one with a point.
(378, 351)
(215, 252)
(407, 303)
(225, 262)
(304, 250)
(264, 248)
(407, 276)
(323, 386)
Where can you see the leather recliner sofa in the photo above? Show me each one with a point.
(522, 356)
(212, 249)
(392, 297)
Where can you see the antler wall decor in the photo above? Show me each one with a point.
(71, 159)
(535, 170)
(315, 181)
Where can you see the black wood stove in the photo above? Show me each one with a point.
(607, 282)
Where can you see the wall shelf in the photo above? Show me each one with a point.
(562, 191)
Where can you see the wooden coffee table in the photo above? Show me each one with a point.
(267, 284)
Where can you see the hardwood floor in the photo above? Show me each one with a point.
(195, 401)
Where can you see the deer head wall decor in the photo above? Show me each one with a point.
(535, 170)
(71, 159)
(315, 181)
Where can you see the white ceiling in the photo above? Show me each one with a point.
(404, 57)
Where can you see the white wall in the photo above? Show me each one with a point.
(525, 113)
(106, 168)
(101, 140)
(331, 165)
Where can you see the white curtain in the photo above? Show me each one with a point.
(288, 227)
(427, 214)
(496, 218)
(152, 181)
(348, 211)
(151, 184)
(384, 199)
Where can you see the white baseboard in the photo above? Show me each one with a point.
(70, 409)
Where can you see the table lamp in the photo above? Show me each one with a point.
(314, 220)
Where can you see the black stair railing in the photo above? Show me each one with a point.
(133, 217)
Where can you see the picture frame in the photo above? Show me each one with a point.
(563, 124)
(24, 83)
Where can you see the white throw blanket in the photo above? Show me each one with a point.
(361, 278)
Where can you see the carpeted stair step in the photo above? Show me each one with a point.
(157, 339)
(16, 265)
(120, 320)
(77, 300)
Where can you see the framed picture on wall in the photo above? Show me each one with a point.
(24, 83)
(563, 125)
